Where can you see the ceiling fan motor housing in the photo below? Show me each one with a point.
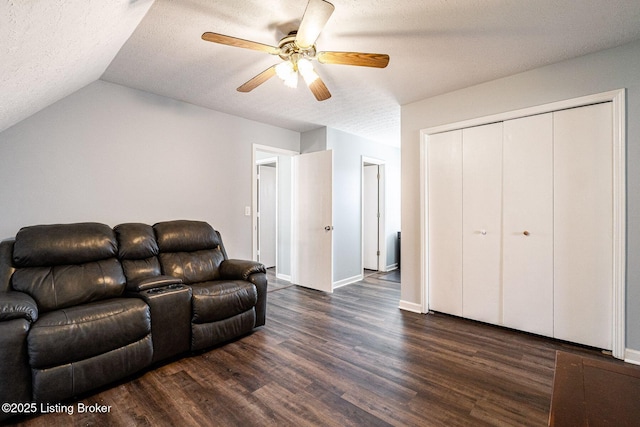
(289, 50)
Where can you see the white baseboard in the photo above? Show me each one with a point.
(285, 277)
(347, 281)
(391, 267)
(632, 356)
(410, 306)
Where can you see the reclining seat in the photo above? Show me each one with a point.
(229, 296)
(86, 335)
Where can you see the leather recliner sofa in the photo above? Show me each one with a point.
(83, 305)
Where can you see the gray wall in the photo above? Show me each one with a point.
(313, 140)
(112, 154)
(600, 72)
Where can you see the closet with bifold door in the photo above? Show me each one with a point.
(520, 223)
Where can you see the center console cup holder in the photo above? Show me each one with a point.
(170, 307)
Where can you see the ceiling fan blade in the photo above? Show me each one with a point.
(258, 80)
(314, 19)
(319, 90)
(377, 60)
(234, 41)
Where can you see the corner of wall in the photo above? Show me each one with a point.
(313, 140)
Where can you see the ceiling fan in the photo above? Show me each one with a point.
(298, 49)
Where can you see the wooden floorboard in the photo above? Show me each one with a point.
(341, 359)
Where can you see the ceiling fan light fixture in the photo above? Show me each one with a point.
(307, 71)
(287, 72)
(292, 81)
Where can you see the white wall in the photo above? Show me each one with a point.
(112, 154)
(600, 72)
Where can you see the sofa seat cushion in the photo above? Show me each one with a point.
(219, 300)
(79, 332)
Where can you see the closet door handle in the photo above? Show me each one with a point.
(526, 233)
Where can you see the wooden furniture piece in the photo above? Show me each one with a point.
(594, 392)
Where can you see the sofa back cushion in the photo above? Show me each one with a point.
(193, 267)
(138, 251)
(67, 264)
(189, 250)
(185, 236)
(60, 244)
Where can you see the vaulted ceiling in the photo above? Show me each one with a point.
(49, 49)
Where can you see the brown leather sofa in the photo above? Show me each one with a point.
(83, 305)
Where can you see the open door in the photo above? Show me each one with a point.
(313, 220)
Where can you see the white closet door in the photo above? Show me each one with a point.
(583, 225)
(444, 154)
(482, 222)
(528, 224)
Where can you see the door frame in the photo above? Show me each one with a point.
(254, 197)
(618, 100)
(382, 230)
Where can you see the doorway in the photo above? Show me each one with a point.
(374, 254)
(271, 241)
(267, 215)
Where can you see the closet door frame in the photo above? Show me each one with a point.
(617, 98)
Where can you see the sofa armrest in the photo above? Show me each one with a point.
(17, 305)
(152, 282)
(254, 272)
(235, 269)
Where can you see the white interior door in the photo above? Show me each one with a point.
(528, 224)
(482, 222)
(371, 217)
(267, 209)
(313, 220)
(583, 238)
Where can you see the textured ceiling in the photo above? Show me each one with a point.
(49, 49)
(436, 46)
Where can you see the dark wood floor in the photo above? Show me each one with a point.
(341, 359)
